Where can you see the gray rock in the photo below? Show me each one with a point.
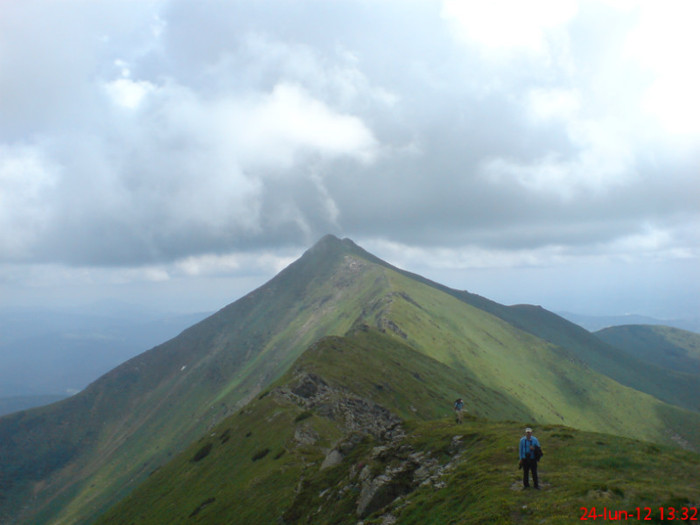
(305, 435)
(333, 458)
(365, 473)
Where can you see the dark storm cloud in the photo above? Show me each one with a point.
(140, 133)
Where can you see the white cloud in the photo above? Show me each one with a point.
(601, 146)
(653, 241)
(467, 257)
(553, 104)
(126, 92)
(188, 168)
(665, 42)
(229, 264)
(603, 161)
(288, 121)
(27, 179)
(647, 242)
(506, 24)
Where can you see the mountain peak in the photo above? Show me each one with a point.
(329, 246)
(331, 241)
(328, 241)
(329, 238)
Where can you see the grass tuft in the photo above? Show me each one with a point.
(202, 453)
(206, 502)
(260, 454)
(304, 415)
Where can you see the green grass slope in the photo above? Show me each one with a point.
(552, 383)
(360, 428)
(672, 386)
(662, 346)
(677, 388)
(581, 473)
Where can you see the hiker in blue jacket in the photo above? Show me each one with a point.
(528, 459)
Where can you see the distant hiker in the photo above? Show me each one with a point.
(459, 406)
(530, 453)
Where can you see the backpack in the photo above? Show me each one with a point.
(538, 453)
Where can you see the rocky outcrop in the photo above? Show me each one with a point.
(405, 470)
(385, 475)
(353, 413)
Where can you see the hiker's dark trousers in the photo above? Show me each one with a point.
(530, 465)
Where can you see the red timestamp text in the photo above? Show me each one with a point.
(641, 514)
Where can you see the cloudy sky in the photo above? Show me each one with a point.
(180, 153)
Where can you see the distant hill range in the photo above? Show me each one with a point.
(663, 346)
(330, 387)
(11, 404)
(46, 354)
(594, 323)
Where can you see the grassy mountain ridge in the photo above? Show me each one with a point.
(672, 386)
(549, 380)
(663, 346)
(68, 462)
(359, 428)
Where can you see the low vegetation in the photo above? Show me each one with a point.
(304, 452)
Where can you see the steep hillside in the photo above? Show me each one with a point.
(76, 457)
(677, 388)
(550, 381)
(68, 462)
(674, 387)
(662, 346)
(359, 429)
